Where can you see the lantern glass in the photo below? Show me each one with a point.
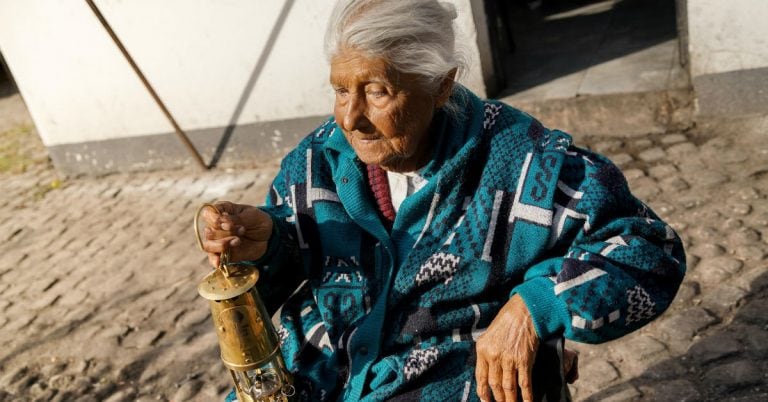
(260, 382)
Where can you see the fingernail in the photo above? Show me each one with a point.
(241, 230)
(225, 226)
(234, 242)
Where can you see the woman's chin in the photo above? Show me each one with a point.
(369, 159)
(370, 152)
(386, 162)
(375, 155)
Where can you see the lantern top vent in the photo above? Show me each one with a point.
(219, 286)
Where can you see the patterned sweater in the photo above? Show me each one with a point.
(367, 313)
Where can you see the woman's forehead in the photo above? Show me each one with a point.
(355, 66)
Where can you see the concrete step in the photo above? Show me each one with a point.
(614, 115)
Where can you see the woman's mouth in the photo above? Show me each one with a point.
(369, 139)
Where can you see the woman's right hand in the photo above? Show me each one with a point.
(244, 230)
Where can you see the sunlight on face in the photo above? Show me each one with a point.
(385, 115)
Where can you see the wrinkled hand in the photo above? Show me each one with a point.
(244, 230)
(506, 353)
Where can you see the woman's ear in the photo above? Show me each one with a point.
(445, 89)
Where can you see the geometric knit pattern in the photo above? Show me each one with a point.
(370, 307)
(419, 361)
(440, 267)
(640, 305)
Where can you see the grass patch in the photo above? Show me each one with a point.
(20, 149)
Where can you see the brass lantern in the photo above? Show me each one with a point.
(249, 344)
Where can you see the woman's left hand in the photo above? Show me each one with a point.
(506, 353)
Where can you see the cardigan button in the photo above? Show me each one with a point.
(344, 180)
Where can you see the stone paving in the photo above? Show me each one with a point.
(98, 277)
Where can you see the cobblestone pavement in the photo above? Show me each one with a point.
(98, 277)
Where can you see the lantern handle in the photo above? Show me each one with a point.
(224, 258)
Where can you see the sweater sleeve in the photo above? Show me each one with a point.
(281, 267)
(614, 266)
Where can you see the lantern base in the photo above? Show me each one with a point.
(261, 385)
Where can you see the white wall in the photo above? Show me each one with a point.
(473, 40)
(200, 55)
(727, 35)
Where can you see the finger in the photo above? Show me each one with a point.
(229, 222)
(210, 215)
(257, 223)
(525, 380)
(509, 380)
(481, 377)
(495, 380)
(226, 207)
(220, 245)
(215, 234)
(255, 226)
(213, 259)
(241, 220)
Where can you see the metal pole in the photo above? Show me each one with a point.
(124, 51)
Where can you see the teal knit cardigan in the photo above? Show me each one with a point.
(510, 208)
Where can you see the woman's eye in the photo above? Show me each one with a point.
(341, 91)
(376, 94)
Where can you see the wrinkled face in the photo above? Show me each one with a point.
(385, 115)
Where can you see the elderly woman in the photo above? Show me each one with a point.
(423, 242)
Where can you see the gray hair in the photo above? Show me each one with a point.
(413, 36)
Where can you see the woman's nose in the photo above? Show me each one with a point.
(354, 115)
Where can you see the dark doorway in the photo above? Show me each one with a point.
(6, 83)
(536, 41)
